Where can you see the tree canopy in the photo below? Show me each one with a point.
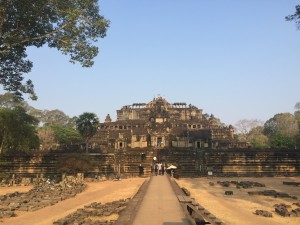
(295, 17)
(71, 26)
(8, 100)
(284, 123)
(87, 124)
(45, 117)
(282, 130)
(55, 117)
(17, 130)
(57, 130)
(257, 138)
(58, 136)
(245, 126)
(297, 113)
(297, 117)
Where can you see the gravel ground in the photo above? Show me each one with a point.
(239, 208)
(103, 192)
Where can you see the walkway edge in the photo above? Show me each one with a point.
(127, 216)
(178, 191)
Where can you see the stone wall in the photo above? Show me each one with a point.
(233, 162)
(190, 162)
(44, 165)
(249, 162)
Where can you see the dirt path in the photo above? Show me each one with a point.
(8, 190)
(96, 192)
(239, 208)
(160, 205)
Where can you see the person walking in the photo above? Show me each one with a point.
(156, 169)
(159, 169)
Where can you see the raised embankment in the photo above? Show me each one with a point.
(189, 162)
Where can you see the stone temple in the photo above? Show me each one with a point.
(160, 124)
(175, 133)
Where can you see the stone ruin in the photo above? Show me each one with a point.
(251, 184)
(281, 209)
(174, 133)
(161, 124)
(263, 213)
(95, 214)
(43, 194)
(24, 181)
(272, 193)
(286, 210)
(242, 184)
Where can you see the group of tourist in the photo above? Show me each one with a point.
(159, 169)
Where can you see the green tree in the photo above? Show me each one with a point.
(71, 26)
(17, 130)
(284, 123)
(295, 17)
(280, 140)
(72, 122)
(47, 138)
(46, 117)
(67, 136)
(54, 117)
(57, 136)
(297, 113)
(7, 100)
(281, 129)
(87, 124)
(257, 138)
(297, 117)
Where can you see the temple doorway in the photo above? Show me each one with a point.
(159, 141)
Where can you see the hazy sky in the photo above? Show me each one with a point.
(234, 59)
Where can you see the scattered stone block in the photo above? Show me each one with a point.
(186, 191)
(263, 213)
(291, 183)
(282, 211)
(38, 197)
(205, 212)
(82, 216)
(296, 212)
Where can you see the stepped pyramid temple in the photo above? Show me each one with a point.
(176, 134)
(160, 124)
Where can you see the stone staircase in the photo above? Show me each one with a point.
(136, 162)
(184, 159)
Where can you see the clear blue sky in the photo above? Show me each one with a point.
(235, 59)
